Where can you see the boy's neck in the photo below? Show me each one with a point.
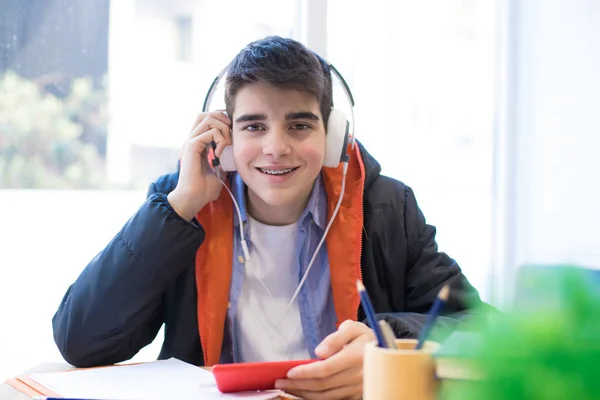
(276, 215)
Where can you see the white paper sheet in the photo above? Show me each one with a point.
(165, 379)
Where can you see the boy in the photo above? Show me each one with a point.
(178, 260)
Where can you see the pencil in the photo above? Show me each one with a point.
(440, 300)
(370, 313)
(388, 334)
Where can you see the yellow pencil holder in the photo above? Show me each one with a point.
(399, 374)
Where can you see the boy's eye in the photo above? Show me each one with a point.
(253, 128)
(301, 126)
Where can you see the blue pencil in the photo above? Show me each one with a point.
(440, 300)
(370, 313)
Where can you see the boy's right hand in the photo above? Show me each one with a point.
(198, 184)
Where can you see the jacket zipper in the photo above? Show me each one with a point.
(360, 246)
(198, 312)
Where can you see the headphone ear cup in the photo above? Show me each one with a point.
(336, 138)
(227, 160)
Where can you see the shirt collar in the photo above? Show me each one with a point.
(316, 208)
(238, 188)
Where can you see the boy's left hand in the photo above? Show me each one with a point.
(340, 374)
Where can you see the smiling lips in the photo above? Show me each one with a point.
(277, 171)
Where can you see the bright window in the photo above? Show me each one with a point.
(422, 75)
(95, 102)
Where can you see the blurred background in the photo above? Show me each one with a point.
(487, 108)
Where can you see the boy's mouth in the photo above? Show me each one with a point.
(277, 171)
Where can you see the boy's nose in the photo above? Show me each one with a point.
(276, 144)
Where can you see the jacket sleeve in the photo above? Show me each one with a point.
(114, 308)
(427, 271)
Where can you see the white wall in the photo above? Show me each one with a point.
(553, 128)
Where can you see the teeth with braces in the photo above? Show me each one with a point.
(276, 171)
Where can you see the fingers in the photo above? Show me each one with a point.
(221, 142)
(345, 348)
(221, 116)
(218, 114)
(198, 143)
(340, 374)
(347, 392)
(333, 365)
(209, 127)
(205, 121)
(346, 333)
(211, 123)
(197, 147)
(341, 385)
(197, 121)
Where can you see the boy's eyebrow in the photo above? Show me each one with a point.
(288, 116)
(301, 115)
(251, 117)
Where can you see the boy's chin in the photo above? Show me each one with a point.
(279, 199)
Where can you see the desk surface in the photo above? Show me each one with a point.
(7, 392)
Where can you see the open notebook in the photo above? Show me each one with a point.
(164, 379)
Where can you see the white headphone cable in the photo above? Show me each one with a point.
(239, 213)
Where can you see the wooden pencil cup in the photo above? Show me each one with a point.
(401, 374)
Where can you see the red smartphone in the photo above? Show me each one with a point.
(243, 377)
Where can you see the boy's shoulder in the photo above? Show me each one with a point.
(381, 190)
(164, 183)
(386, 191)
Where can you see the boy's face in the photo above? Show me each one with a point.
(278, 144)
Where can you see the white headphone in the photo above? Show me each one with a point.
(338, 127)
(337, 136)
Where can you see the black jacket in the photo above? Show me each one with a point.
(144, 278)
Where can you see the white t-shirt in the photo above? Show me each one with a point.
(261, 334)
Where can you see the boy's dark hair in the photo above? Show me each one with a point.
(284, 63)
